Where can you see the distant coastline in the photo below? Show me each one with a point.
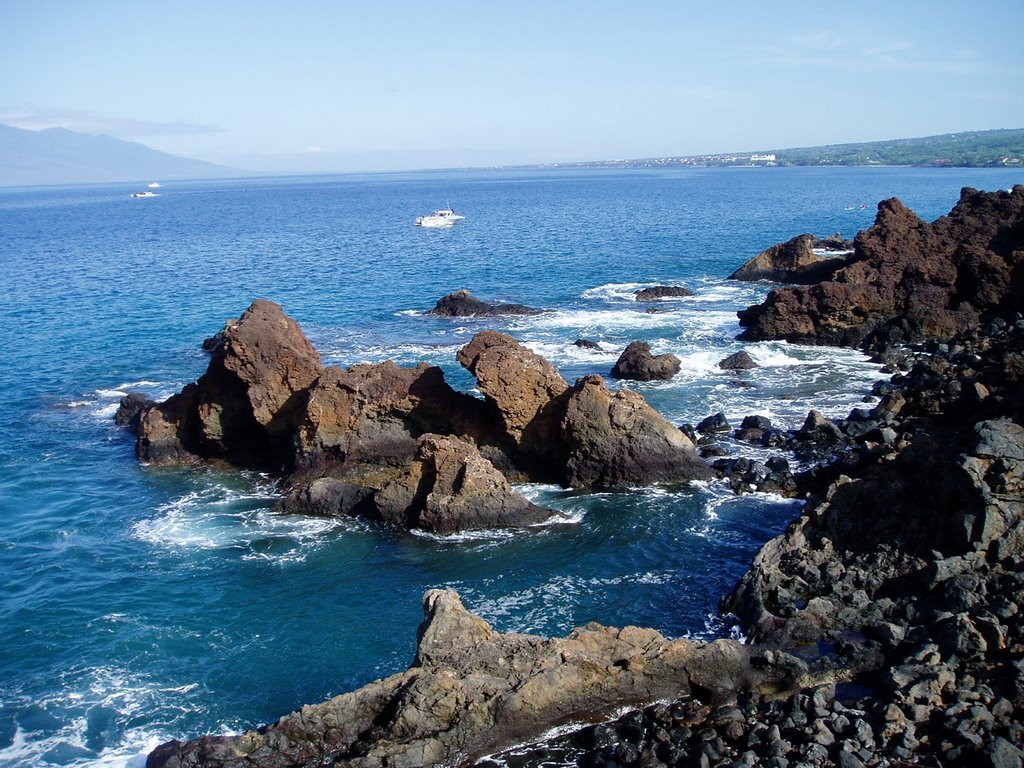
(1002, 148)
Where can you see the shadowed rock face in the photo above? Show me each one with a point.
(657, 292)
(793, 261)
(616, 439)
(471, 689)
(909, 280)
(245, 407)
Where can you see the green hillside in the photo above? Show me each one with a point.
(972, 149)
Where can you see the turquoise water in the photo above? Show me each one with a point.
(142, 604)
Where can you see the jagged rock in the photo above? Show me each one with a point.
(791, 262)
(244, 408)
(520, 386)
(130, 410)
(471, 690)
(738, 361)
(374, 413)
(617, 439)
(462, 303)
(714, 424)
(909, 280)
(637, 363)
(657, 292)
(450, 487)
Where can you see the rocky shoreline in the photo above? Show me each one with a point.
(885, 624)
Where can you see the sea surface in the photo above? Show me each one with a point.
(140, 604)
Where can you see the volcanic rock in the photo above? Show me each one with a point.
(130, 410)
(738, 361)
(462, 303)
(663, 292)
(637, 363)
(793, 261)
(375, 413)
(587, 344)
(450, 487)
(245, 407)
(520, 386)
(471, 689)
(909, 280)
(617, 439)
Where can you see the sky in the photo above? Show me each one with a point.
(313, 85)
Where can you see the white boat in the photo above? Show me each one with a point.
(154, 185)
(443, 218)
(147, 193)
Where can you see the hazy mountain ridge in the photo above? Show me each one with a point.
(60, 156)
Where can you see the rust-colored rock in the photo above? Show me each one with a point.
(638, 363)
(909, 279)
(519, 384)
(617, 439)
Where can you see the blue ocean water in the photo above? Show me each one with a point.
(143, 604)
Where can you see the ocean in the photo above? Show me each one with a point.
(141, 604)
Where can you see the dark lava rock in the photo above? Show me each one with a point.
(738, 361)
(587, 344)
(637, 363)
(663, 292)
(909, 280)
(791, 262)
(130, 410)
(462, 303)
(714, 424)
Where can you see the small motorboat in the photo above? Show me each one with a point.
(442, 218)
(154, 185)
(147, 193)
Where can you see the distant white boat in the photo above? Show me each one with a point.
(147, 193)
(154, 185)
(443, 218)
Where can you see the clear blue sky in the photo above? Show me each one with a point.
(317, 85)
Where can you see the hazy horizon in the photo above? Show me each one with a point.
(334, 87)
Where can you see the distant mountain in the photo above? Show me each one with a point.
(60, 156)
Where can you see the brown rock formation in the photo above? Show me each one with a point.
(244, 408)
(793, 261)
(520, 386)
(450, 487)
(617, 439)
(638, 363)
(909, 280)
(472, 689)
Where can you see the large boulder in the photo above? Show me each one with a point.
(793, 261)
(472, 690)
(462, 303)
(374, 413)
(909, 280)
(638, 363)
(617, 439)
(658, 292)
(245, 407)
(521, 387)
(450, 487)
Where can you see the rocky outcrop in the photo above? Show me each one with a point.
(462, 303)
(793, 261)
(617, 439)
(638, 363)
(472, 689)
(375, 413)
(909, 280)
(521, 387)
(244, 409)
(657, 292)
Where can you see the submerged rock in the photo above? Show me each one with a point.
(471, 690)
(462, 303)
(638, 363)
(657, 292)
